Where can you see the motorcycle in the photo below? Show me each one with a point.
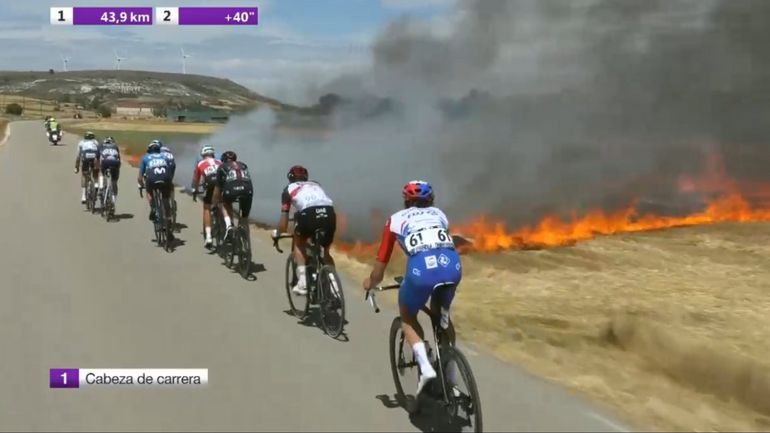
(55, 136)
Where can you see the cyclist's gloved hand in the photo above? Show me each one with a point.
(76, 170)
(274, 234)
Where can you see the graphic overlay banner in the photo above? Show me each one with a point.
(128, 377)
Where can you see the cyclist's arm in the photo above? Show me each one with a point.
(77, 157)
(142, 167)
(196, 178)
(283, 222)
(387, 242)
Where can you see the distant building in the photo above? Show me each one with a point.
(197, 116)
(133, 109)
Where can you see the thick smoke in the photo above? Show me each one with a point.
(515, 108)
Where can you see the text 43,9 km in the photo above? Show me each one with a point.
(112, 17)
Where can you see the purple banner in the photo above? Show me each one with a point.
(64, 378)
(104, 16)
(218, 16)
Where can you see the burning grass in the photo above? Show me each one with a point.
(669, 327)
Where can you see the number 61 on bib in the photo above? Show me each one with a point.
(428, 239)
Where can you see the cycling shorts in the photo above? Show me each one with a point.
(323, 218)
(424, 272)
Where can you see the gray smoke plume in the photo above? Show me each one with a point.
(517, 108)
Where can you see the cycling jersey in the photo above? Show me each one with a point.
(109, 152)
(207, 170)
(431, 257)
(88, 149)
(233, 178)
(155, 168)
(303, 195)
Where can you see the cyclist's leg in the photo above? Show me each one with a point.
(448, 272)
(207, 196)
(412, 296)
(303, 229)
(329, 224)
(115, 178)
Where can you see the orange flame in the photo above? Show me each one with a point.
(485, 234)
(488, 235)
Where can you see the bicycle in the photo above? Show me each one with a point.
(108, 200)
(320, 291)
(448, 361)
(217, 227)
(90, 193)
(239, 245)
(162, 224)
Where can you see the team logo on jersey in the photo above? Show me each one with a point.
(431, 262)
(416, 272)
(443, 261)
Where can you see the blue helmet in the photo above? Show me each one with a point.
(154, 146)
(417, 190)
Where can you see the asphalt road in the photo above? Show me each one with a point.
(79, 292)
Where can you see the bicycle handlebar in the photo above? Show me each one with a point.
(275, 242)
(371, 292)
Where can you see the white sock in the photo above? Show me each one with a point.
(84, 192)
(301, 281)
(101, 181)
(444, 318)
(422, 358)
(114, 198)
(228, 222)
(208, 232)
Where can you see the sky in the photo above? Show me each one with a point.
(298, 44)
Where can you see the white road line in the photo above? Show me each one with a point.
(612, 424)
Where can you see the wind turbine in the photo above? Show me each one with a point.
(118, 59)
(64, 61)
(184, 61)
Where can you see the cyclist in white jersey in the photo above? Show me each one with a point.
(314, 211)
(86, 161)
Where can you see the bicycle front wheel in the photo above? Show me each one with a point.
(298, 304)
(463, 405)
(403, 366)
(332, 302)
(244, 256)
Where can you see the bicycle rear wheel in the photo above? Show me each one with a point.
(230, 250)
(403, 366)
(160, 233)
(244, 256)
(298, 304)
(464, 405)
(332, 302)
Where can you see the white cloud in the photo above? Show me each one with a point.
(415, 4)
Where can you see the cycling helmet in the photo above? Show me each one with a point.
(165, 149)
(109, 140)
(154, 146)
(296, 173)
(418, 190)
(207, 150)
(229, 156)
(89, 135)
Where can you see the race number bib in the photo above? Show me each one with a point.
(427, 239)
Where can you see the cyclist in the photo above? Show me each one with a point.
(86, 159)
(109, 159)
(233, 183)
(314, 211)
(421, 231)
(166, 152)
(205, 173)
(155, 175)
